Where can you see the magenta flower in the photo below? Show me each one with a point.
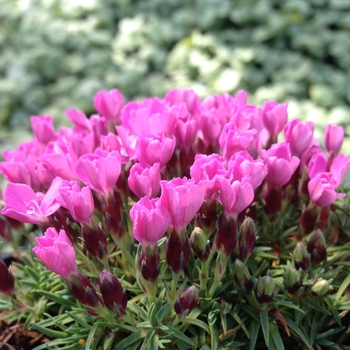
(110, 142)
(78, 201)
(56, 252)
(317, 165)
(280, 163)
(100, 170)
(43, 128)
(322, 190)
(339, 167)
(151, 220)
(184, 96)
(233, 140)
(241, 164)
(24, 205)
(151, 149)
(79, 119)
(299, 135)
(186, 131)
(274, 117)
(205, 172)
(109, 104)
(182, 198)
(333, 138)
(236, 196)
(144, 180)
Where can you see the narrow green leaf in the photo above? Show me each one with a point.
(33, 274)
(197, 323)
(49, 332)
(275, 336)
(147, 339)
(319, 308)
(297, 331)
(145, 324)
(342, 289)
(137, 310)
(240, 322)
(264, 321)
(58, 299)
(108, 341)
(131, 339)
(289, 305)
(79, 320)
(162, 312)
(154, 342)
(254, 331)
(214, 339)
(180, 335)
(90, 338)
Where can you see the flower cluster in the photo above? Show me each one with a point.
(175, 187)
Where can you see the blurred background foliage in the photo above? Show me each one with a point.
(56, 54)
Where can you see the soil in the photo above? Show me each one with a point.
(13, 337)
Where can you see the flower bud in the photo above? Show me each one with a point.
(320, 287)
(177, 251)
(149, 262)
(82, 289)
(200, 244)
(113, 214)
(7, 281)
(265, 289)
(301, 257)
(247, 238)
(292, 279)
(309, 218)
(95, 240)
(242, 276)
(112, 293)
(187, 301)
(226, 236)
(317, 247)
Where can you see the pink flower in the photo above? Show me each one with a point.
(144, 180)
(333, 138)
(150, 219)
(299, 135)
(233, 140)
(100, 170)
(322, 190)
(186, 131)
(56, 252)
(339, 167)
(24, 205)
(317, 165)
(151, 149)
(77, 200)
(280, 164)
(110, 142)
(182, 198)
(241, 164)
(79, 119)
(184, 96)
(43, 128)
(205, 172)
(274, 117)
(236, 196)
(109, 104)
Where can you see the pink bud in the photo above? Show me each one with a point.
(151, 149)
(182, 198)
(236, 196)
(100, 170)
(280, 163)
(43, 128)
(77, 200)
(274, 117)
(109, 104)
(322, 190)
(144, 180)
(56, 252)
(299, 135)
(340, 167)
(233, 140)
(317, 165)
(333, 138)
(150, 220)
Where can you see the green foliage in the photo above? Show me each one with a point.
(57, 54)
